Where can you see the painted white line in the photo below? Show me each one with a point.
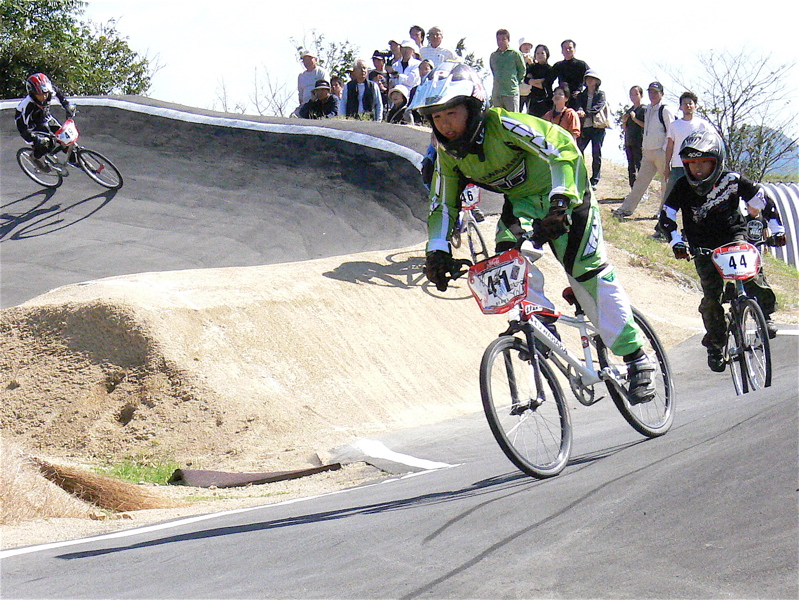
(290, 129)
(377, 449)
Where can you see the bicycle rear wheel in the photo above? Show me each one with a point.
(756, 346)
(99, 168)
(734, 355)
(531, 424)
(51, 179)
(654, 417)
(477, 245)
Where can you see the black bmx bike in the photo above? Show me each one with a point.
(747, 350)
(50, 170)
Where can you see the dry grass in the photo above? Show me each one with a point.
(25, 495)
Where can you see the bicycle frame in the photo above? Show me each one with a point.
(523, 319)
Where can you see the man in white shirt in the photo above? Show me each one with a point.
(656, 123)
(434, 51)
(405, 71)
(306, 81)
(678, 131)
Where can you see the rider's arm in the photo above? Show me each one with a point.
(443, 203)
(756, 197)
(667, 220)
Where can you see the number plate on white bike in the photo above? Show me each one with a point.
(68, 133)
(737, 261)
(470, 196)
(499, 283)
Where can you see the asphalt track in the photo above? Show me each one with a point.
(206, 190)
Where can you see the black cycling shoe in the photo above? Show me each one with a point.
(715, 360)
(772, 329)
(478, 215)
(42, 164)
(639, 374)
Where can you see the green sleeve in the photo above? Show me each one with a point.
(445, 191)
(554, 145)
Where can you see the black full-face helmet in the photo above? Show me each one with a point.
(450, 84)
(701, 146)
(39, 84)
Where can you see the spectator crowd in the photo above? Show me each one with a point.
(526, 79)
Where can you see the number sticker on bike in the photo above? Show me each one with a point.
(499, 283)
(68, 133)
(470, 196)
(737, 261)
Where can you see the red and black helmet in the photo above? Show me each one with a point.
(39, 84)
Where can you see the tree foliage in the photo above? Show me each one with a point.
(335, 57)
(469, 58)
(747, 98)
(82, 59)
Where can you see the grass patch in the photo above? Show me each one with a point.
(140, 470)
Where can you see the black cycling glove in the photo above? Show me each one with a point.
(555, 224)
(440, 267)
(680, 251)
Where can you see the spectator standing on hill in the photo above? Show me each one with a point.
(406, 70)
(525, 88)
(323, 105)
(656, 124)
(508, 68)
(379, 75)
(540, 80)
(434, 51)
(306, 81)
(570, 70)
(361, 98)
(561, 115)
(398, 112)
(416, 33)
(633, 124)
(678, 130)
(592, 102)
(336, 86)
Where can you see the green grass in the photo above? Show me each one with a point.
(140, 469)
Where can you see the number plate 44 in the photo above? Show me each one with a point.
(737, 261)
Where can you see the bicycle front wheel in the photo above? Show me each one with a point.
(530, 422)
(477, 245)
(654, 417)
(734, 355)
(100, 169)
(50, 179)
(756, 347)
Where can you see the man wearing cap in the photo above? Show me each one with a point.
(306, 81)
(657, 119)
(434, 51)
(379, 75)
(323, 105)
(405, 71)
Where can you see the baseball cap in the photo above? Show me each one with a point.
(656, 85)
(309, 53)
(322, 84)
(410, 44)
(378, 54)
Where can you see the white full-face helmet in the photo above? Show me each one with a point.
(450, 84)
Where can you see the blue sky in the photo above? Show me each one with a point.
(202, 43)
